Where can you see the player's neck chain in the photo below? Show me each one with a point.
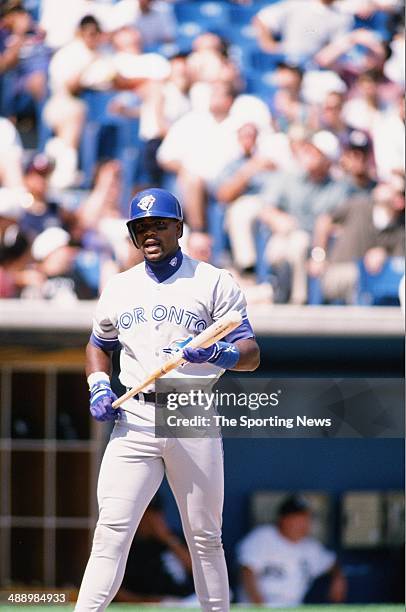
(160, 271)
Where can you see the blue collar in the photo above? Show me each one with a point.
(162, 270)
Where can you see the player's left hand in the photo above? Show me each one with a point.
(199, 355)
(222, 354)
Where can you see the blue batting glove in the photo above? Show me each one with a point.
(199, 355)
(222, 354)
(101, 399)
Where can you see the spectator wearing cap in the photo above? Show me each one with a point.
(65, 270)
(369, 228)
(41, 212)
(280, 562)
(356, 162)
(293, 203)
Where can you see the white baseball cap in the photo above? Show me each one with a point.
(48, 241)
(327, 143)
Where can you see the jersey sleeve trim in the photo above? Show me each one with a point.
(242, 332)
(106, 345)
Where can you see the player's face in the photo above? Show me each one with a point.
(157, 237)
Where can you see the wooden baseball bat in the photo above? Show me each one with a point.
(206, 338)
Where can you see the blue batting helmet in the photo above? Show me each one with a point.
(153, 203)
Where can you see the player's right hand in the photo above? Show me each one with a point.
(101, 399)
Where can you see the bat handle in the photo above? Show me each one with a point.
(173, 363)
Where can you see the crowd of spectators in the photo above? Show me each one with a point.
(280, 125)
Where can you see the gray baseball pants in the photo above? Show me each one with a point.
(132, 469)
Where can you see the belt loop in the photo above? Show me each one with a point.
(141, 398)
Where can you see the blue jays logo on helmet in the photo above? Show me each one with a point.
(153, 202)
(146, 203)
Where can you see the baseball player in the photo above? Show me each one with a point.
(149, 310)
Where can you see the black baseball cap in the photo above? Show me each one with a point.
(292, 505)
(358, 140)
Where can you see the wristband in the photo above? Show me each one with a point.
(97, 377)
(226, 355)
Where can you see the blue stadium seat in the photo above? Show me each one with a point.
(240, 14)
(34, 8)
(261, 85)
(186, 33)
(262, 61)
(212, 14)
(380, 289)
(379, 22)
(262, 268)
(215, 225)
(124, 132)
(314, 291)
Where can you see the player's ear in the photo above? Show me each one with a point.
(179, 232)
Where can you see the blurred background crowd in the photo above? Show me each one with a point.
(280, 126)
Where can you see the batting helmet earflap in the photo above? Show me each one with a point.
(153, 202)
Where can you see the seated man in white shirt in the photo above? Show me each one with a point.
(196, 148)
(279, 563)
(80, 64)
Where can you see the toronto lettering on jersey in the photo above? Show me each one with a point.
(173, 314)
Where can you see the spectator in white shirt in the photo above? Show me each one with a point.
(11, 154)
(279, 563)
(303, 27)
(197, 148)
(156, 22)
(388, 137)
(77, 65)
(153, 18)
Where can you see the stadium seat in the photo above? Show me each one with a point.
(262, 268)
(215, 225)
(380, 289)
(379, 22)
(34, 8)
(240, 14)
(212, 14)
(314, 291)
(262, 61)
(123, 130)
(186, 33)
(261, 85)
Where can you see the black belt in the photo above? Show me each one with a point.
(147, 397)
